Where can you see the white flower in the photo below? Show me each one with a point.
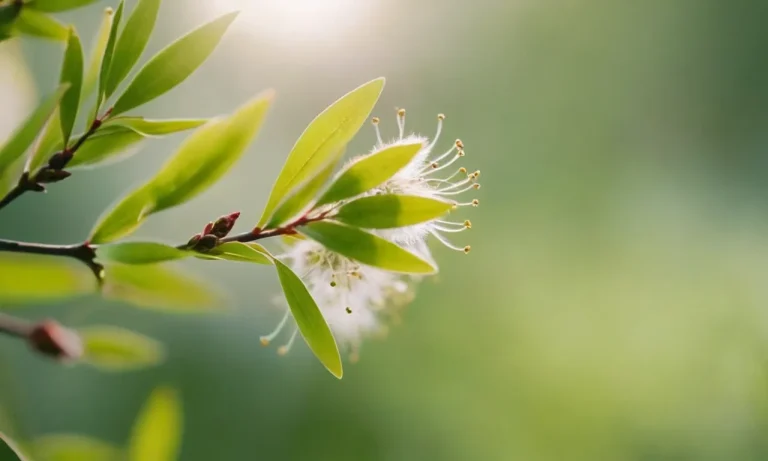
(355, 299)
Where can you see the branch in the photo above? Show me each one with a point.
(54, 170)
(82, 252)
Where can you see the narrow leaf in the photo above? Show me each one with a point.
(91, 77)
(310, 320)
(9, 451)
(8, 14)
(72, 74)
(369, 172)
(106, 145)
(174, 64)
(133, 39)
(106, 62)
(148, 127)
(243, 252)
(157, 286)
(33, 22)
(139, 253)
(157, 432)
(53, 6)
(366, 248)
(46, 145)
(323, 139)
(390, 211)
(118, 349)
(70, 447)
(35, 278)
(299, 200)
(25, 134)
(200, 161)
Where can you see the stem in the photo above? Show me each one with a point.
(57, 162)
(83, 252)
(13, 326)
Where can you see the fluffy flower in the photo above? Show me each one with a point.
(357, 299)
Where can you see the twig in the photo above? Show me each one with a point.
(47, 337)
(82, 252)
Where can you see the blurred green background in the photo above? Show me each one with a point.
(615, 303)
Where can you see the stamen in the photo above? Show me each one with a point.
(265, 340)
(445, 241)
(282, 350)
(461, 191)
(401, 121)
(452, 161)
(451, 223)
(440, 118)
(375, 121)
(473, 203)
(445, 229)
(457, 184)
(349, 310)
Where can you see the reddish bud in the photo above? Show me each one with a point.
(54, 340)
(224, 224)
(194, 240)
(207, 242)
(208, 227)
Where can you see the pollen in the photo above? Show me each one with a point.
(459, 144)
(401, 113)
(475, 202)
(441, 117)
(375, 120)
(468, 224)
(476, 186)
(467, 249)
(264, 341)
(463, 170)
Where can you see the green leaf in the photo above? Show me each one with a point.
(9, 451)
(70, 447)
(106, 145)
(109, 51)
(242, 252)
(324, 138)
(25, 134)
(369, 172)
(140, 253)
(133, 39)
(200, 161)
(366, 248)
(8, 14)
(148, 127)
(53, 6)
(36, 278)
(71, 73)
(158, 286)
(310, 320)
(388, 211)
(118, 349)
(91, 77)
(174, 64)
(157, 432)
(33, 22)
(299, 200)
(47, 144)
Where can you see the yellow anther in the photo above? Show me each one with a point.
(434, 165)
(375, 120)
(349, 310)
(282, 350)
(475, 202)
(476, 186)
(461, 153)
(264, 341)
(463, 170)
(401, 113)
(468, 224)
(441, 117)
(459, 144)
(467, 249)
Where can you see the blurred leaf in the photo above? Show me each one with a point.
(299, 200)
(70, 447)
(118, 349)
(157, 431)
(32, 22)
(105, 145)
(323, 139)
(133, 39)
(369, 172)
(9, 451)
(47, 144)
(140, 252)
(389, 211)
(158, 286)
(366, 248)
(109, 51)
(173, 64)
(26, 133)
(35, 278)
(91, 77)
(71, 73)
(310, 320)
(148, 127)
(243, 252)
(200, 161)
(57, 5)
(8, 14)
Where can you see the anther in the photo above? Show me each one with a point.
(461, 153)
(375, 120)
(475, 202)
(476, 186)
(441, 117)
(349, 310)
(434, 165)
(468, 224)
(459, 144)
(467, 249)
(463, 170)
(401, 113)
